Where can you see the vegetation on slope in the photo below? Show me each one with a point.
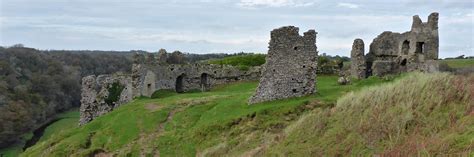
(422, 114)
(459, 63)
(243, 61)
(418, 114)
(67, 120)
(35, 85)
(210, 123)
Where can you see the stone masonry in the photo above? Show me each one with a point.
(392, 53)
(95, 94)
(149, 74)
(290, 68)
(358, 60)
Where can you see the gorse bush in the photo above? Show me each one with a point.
(428, 114)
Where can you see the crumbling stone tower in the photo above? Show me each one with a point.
(290, 68)
(358, 66)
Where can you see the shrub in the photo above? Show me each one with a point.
(114, 93)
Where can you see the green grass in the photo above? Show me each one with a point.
(242, 61)
(200, 120)
(459, 63)
(337, 120)
(163, 93)
(421, 114)
(69, 119)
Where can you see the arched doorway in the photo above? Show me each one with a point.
(205, 82)
(404, 62)
(179, 84)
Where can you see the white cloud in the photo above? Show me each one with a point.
(274, 3)
(348, 5)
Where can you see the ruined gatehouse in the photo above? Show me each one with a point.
(290, 67)
(391, 52)
(101, 94)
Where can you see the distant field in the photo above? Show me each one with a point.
(459, 63)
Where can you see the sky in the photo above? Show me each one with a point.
(223, 26)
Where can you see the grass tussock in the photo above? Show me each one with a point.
(421, 114)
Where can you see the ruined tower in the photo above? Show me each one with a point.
(358, 65)
(415, 50)
(290, 68)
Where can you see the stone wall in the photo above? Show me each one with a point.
(290, 68)
(186, 77)
(392, 52)
(358, 65)
(96, 92)
(149, 75)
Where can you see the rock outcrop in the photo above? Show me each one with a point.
(290, 68)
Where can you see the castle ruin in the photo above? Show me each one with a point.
(101, 94)
(290, 67)
(391, 53)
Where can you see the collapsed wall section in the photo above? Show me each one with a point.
(290, 68)
(415, 50)
(101, 94)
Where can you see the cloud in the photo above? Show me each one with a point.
(274, 3)
(348, 5)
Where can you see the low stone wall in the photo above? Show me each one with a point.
(185, 77)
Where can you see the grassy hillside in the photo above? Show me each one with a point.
(191, 123)
(433, 109)
(459, 63)
(422, 114)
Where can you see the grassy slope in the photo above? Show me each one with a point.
(192, 123)
(423, 114)
(459, 63)
(69, 119)
(16, 149)
(429, 108)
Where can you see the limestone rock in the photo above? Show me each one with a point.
(343, 80)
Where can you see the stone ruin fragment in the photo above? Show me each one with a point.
(391, 53)
(290, 68)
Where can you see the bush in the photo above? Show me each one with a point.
(114, 93)
(163, 93)
(242, 61)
